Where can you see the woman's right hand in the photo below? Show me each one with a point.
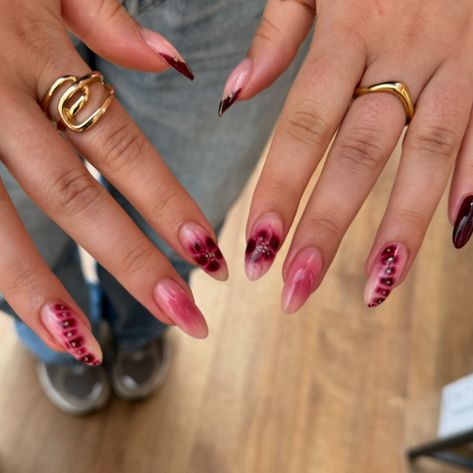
(36, 50)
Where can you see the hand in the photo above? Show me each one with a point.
(35, 52)
(426, 45)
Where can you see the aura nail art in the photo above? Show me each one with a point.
(68, 329)
(235, 84)
(385, 274)
(463, 227)
(167, 52)
(203, 250)
(180, 308)
(263, 244)
(303, 277)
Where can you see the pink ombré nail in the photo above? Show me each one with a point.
(166, 51)
(235, 84)
(68, 329)
(303, 277)
(179, 307)
(203, 249)
(385, 273)
(263, 243)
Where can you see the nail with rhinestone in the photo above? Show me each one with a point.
(264, 241)
(385, 274)
(203, 250)
(70, 332)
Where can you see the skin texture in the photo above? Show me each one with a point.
(428, 46)
(35, 52)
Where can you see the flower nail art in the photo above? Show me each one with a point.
(204, 250)
(385, 274)
(68, 329)
(263, 244)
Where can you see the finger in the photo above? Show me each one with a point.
(284, 26)
(366, 139)
(314, 109)
(55, 178)
(120, 151)
(37, 296)
(461, 192)
(108, 29)
(430, 149)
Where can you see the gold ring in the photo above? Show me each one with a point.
(398, 89)
(74, 99)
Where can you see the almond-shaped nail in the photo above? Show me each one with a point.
(68, 329)
(180, 308)
(235, 84)
(264, 241)
(385, 274)
(166, 51)
(303, 277)
(463, 227)
(203, 250)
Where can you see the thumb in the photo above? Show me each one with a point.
(284, 26)
(108, 29)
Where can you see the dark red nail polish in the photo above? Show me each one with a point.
(464, 224)
(227, 102)
(179, 65)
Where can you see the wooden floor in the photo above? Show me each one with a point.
(334, 389)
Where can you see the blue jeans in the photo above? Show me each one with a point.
(212, 157)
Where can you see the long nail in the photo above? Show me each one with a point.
(235, 84)
(68, 329)
(179, 307)
(464, 223)
(263, 244)
(302, 279)
(166, 51)
(385, 273)
(204, 250)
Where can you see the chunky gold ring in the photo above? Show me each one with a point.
(74, 99)
(398, 89)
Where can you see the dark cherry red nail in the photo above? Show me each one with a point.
(227, 102)
(464, 224)
(179, 65)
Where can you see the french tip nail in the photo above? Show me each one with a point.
(179, 65)
(227, 102)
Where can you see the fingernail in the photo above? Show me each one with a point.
(302, 279)
(166, 51)
(179, 307)
(235, 84)
(385, 273)
(68, 329)
(463, 227)
(263, 244)
(203, 249)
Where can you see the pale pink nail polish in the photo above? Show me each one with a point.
(166, 51)
(204, 251)
(235, 84)
(179, 307)
(303, 277)
(68, 329)
(385, 273)
(264, 241)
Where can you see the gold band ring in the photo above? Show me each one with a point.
(398, 89)
(68, 108)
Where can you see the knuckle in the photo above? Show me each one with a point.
(305, 126)
(137, 258)
(435, 141)
(164, 206)
(323, 224)
(361, 151)
(21, 278)
(269, 32)
(75, 191)
(123, 149)
(412, 219)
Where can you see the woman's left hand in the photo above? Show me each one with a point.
(426, 45)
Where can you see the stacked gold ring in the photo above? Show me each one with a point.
(398, 89)
(67, 108)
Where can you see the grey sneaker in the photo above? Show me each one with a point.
(75, 389)
(137, 374)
